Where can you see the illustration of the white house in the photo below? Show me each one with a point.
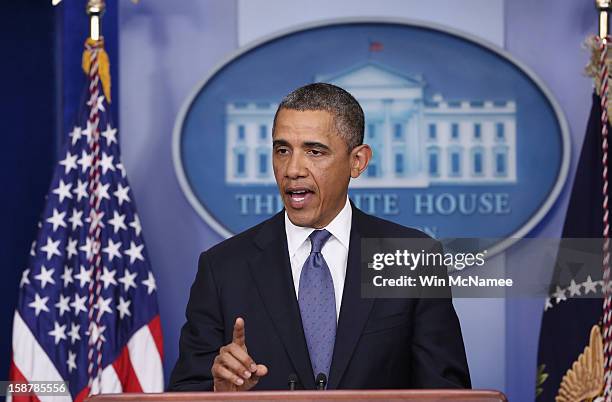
(416, 142)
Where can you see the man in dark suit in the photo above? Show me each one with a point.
(294, 280)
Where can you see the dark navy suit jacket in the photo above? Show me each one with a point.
(380, 343)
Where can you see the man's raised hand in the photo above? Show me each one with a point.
(233, 368)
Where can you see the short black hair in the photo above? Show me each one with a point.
(347, 113)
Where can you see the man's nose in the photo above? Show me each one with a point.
(296, 167)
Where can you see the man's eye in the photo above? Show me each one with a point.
(314, 152)
(282, 151)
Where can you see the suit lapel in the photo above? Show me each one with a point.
(354, 310)
(271, 271)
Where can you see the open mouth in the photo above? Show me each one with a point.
(298, 197)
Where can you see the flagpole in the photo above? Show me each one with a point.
(94, 54)
(603, 7)
(95, 10)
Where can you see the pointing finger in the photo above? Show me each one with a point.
(238, 337)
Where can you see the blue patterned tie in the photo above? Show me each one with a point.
(318, 305)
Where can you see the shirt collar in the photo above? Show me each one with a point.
(339, 227)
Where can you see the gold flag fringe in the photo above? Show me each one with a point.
(103, 64)
(592, 69)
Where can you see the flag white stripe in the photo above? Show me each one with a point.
(110, 382)
(146, 360)
(35, 365)
(31, 360)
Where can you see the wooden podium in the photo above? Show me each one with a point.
(308, 396)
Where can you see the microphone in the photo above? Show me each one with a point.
(292, 380)
(321, 381)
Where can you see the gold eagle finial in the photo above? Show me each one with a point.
(585, 380)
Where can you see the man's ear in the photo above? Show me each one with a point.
(360, 157)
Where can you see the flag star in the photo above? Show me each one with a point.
(118, 221)
(548, 304)
(88, 132)
(135, 252)
(100, 103)
(136, 225)
(106, 163)
(102, 191)
(51, 248)
(150, 283)
(71, 362)
(62, 304)
(124, 307)
(589, 286)
(128, 280)
(95, 218)
(110, 135)
(45, 276)
(24, 278)
(39, 304)
(96, 245)
(75, 134)
(80, 190)
(67, 276)
(559, 295)
(103, 306)
(33, 249)
(57, 219)
(91, 102)
(84, 276)
(76, 219)
(59, 332)
(87, 248)
(85, 161)
(574, 289)
(122, 194)
(112, 249)
(69, 162)
(63, 190)
(71, 247)
(121, 169)
(108, 277)
(78, 304)
(74, 332)
(96, 332)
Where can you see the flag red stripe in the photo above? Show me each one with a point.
(123, 365)
(126, 373)
(16, 375)
(82, 395)
(156, 331)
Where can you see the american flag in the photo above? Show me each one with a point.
(376, 46)
(87, 310)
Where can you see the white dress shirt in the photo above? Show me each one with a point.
(335, 250)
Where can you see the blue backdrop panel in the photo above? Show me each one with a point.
(28, 109)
